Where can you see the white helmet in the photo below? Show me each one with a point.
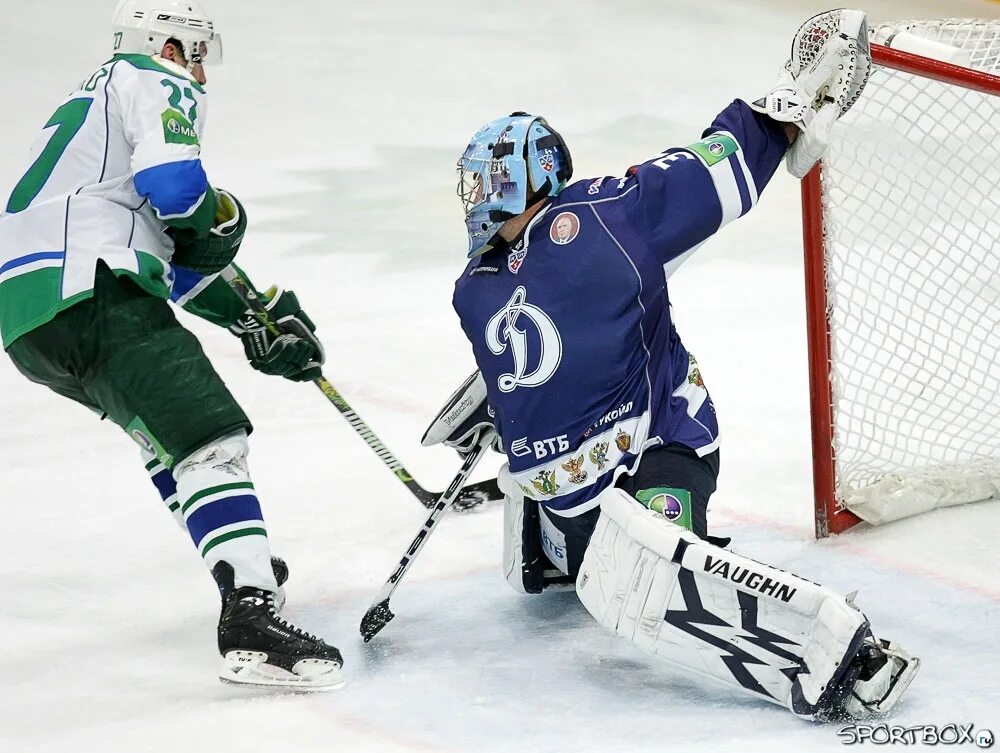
(143, 26)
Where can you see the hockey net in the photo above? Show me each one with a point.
(902, 227)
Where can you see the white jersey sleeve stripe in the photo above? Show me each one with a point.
(751, 186)
(671, 266)
(728, 191)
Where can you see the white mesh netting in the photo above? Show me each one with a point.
(911, 202)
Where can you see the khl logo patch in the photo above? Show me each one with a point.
(510, 326)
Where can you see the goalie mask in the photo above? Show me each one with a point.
(142, 27)
(509, 165)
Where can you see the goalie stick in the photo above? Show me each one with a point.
(468, 498)
(379, 614)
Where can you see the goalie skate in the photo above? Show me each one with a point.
(886, 672)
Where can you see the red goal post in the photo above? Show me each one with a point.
(867, 392)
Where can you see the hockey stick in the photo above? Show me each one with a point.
(469, 498)
(379, 614)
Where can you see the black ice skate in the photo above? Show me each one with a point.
(260, 648)
(278, 566)
(280, 569)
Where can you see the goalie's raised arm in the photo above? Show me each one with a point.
(680, 197)
(828, 69)
(686, 194)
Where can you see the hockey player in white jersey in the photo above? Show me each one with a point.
(113, 216)
(611, 438)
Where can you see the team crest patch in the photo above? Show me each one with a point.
(599, 455)
(546, 161)
(574, 466)
(564, 229)
(545, 482)
(515, 259)
(694, 373)
(623, 440)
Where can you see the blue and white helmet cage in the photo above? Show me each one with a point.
(509, 165)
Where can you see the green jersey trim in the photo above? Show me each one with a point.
(30, 300)
(199, 220)
(217, 303)
(146, 63)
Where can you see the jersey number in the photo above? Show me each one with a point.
(663, 160)
(175, 99)
(69, 118)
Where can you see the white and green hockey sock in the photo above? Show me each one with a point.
(220, 510)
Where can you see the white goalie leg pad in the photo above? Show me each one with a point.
(513, 534)
(714, 613)
(527, 565)
(513, 543)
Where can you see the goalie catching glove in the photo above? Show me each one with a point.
(824, 77)
(209, 255)
(296, 354)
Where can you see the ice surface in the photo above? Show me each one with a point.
(338, 124)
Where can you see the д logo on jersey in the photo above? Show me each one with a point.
(533, 340)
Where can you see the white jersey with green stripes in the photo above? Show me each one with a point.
(78, 202)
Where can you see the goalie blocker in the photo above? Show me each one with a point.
(464, 419)
(750, 626)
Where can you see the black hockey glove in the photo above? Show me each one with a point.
(297, 354)
(206, 256)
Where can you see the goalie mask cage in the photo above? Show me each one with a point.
(902, 245)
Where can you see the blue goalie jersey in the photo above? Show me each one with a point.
(571, 325)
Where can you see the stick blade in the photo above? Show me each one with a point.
(376, 618)
(470, 500)
(478, 495)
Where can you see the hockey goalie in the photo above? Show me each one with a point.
(611, 438)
